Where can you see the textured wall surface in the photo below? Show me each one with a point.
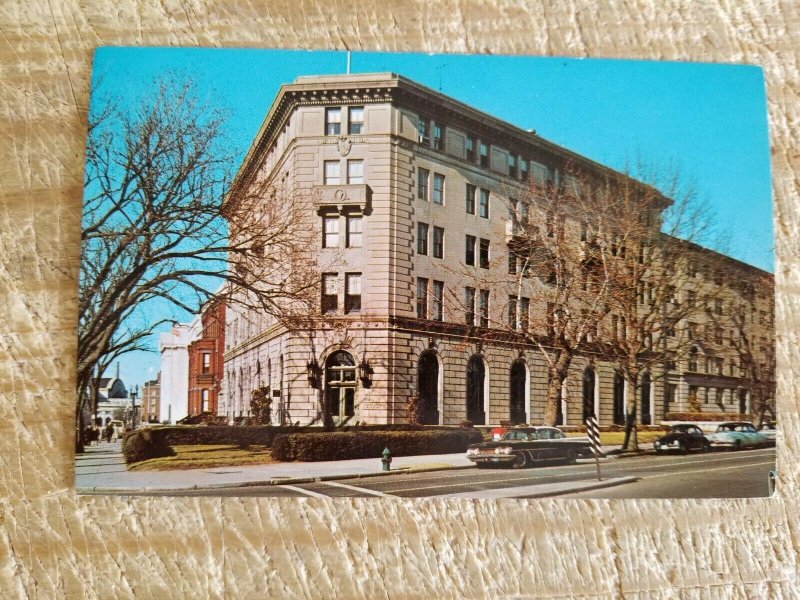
(55, 544)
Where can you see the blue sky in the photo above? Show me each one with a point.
(706, 120)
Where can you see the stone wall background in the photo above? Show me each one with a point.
(56, 544)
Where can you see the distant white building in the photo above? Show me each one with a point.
(173, 346)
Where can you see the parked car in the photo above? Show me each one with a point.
(520, 447)
(682, 437)
(737, 435)
(769, 431)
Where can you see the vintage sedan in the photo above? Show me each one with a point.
(737, 435)
(770, 431)
(682, 438)
(522, 446)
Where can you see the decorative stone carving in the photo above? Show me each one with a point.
(345, 145)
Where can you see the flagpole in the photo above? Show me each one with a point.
(348, 62)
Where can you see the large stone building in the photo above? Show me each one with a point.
(411, 192)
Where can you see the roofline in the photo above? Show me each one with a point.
(719, 255)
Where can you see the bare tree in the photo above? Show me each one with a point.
(156, 225)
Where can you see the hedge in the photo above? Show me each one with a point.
(343, 445)
(709, 416)
(155, 442)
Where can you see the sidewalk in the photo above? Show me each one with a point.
(101, 469)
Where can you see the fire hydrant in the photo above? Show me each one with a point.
(387, 459)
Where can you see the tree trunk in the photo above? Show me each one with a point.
(631, 441)
(557, 375)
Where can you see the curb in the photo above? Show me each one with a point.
(596, 485)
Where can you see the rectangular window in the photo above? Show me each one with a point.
(469, 256)
(422, 239)
(204, 400)
(354, 231)
(355, 120)
(438, 136)
(484, 151)
(355, 171)
(471, 189)
(330, 239)
(438, 188)
(524, 312)
(438, 300)
(422, 130)
(332, 173)
(512, 263)
(541, 174)
(484, 254)
(469, 147)
(512, 166)
(330, 293)
(438, 242)
(512, 312)
(483, 204)
(422, 183)
(422, 298)
(206, 362)
(483, 308)
(333, 121)
(523, 169)
(352, 293)
(469, 305)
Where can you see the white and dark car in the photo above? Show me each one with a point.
(523, 446)
(682, 437)
(737, 435)
(770, 431)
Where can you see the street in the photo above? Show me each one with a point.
(714, 475)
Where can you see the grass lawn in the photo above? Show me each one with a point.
(205, 456)
(615, 438)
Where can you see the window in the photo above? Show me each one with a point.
(355, 120)
(693, 360)
(330, 293)
(691, 299)
(523, 169)
(469, 256)
(333, 121)
(422, 238)
(484, 254)
(332, 172)
(471, 199)
(469, 305)
(422, 183)
(469, 146)
(483, 204)
(438, 300)
(484, 150)
(438, 136)
(330, 238)
(422, 298)
(483, 308)
(512, 166)
(438, 188)
(512, 312)
(524, 311)
(206, 362)
(422, 129)
(204, 400)
(512, 263)
(352, 293)
(354, 231)
(541, 174)
(355, 171)
(438, 242)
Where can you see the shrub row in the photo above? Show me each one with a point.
(343, 445)
(702, 416)
(142, 444)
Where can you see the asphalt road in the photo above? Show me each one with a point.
(714, 475)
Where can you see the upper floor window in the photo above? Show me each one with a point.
(330, 226)
(355, 171)
(422, 238)
(438, 301)
(332, 172)
(469, 147)
(355, 120)
(438, 136)
(438, 242)
(484, 254)
(438, 188)
(483, 308)
(469, 256)
(422, 183)
(512, 166)
(333, 121)
(354, 231)
(541, 174)
(330, 293)
(206, 362)
(524, 312)
(523, 169)
(423, 131)
(352, 292)
(483, 204)
(512, 312)
(471, 189)
(484, 150)
(469, 305)
(422, 298)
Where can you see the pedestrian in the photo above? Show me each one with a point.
(109, 432)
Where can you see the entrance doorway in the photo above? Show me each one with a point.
(476, 375)
(428, 388)
(647, 418)
(619, 398)
(340, 384)
(518, 381)
(588, 393)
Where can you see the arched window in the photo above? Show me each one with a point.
(340, 384)
(518, 381)
(428, 388)
(588, 393)
(476, 376)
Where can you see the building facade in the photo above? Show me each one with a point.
(151, 400)
(206, 356)
(174, 388)
(411, 192)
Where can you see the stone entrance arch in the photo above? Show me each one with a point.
(476, 380)
(428, 374)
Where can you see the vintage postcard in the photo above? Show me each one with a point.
(324, 274)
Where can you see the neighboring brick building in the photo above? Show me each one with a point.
(151, 400)
(206, 360)
(411, 190)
